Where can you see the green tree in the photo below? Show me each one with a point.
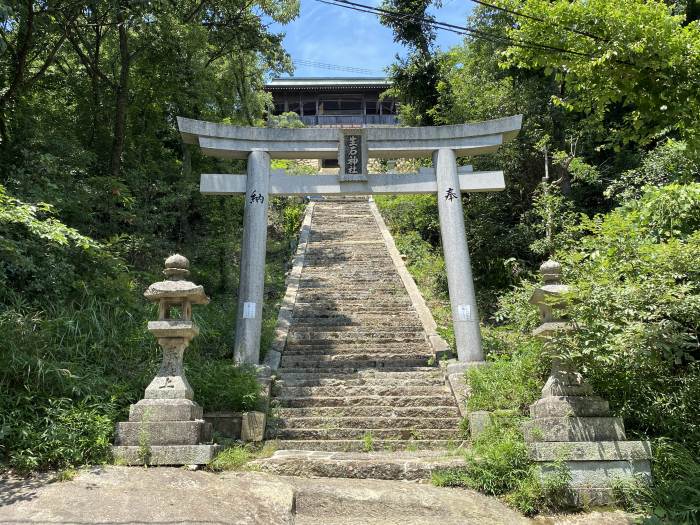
(633, 59)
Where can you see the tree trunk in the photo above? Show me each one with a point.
(122, 96)
(26, 30)
(95, 83)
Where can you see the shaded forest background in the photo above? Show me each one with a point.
(96, 189)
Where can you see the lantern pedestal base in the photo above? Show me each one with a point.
(164, 432)
(166, 455)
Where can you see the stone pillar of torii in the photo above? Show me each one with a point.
(353, 147)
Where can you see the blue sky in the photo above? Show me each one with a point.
(335, 35)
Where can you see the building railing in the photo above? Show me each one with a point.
(349, 120)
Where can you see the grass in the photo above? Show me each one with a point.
(237, 456)
(367, 442)
(67, 474)
(498, 464)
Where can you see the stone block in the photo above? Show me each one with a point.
(226, 424)
(479, 420)
(165, 455)
(165, 410)
(590, 451)
(602, 474)
(460, 391)
(134, 433)
(574, 429)
(253, 426)
(567, 406)
(169, 387)
(595, 467)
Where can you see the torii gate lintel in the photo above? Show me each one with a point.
(353, 146)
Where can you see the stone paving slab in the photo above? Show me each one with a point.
(134, 495)
(399, 465)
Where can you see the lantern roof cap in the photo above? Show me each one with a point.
(551, 272)
(176, 287)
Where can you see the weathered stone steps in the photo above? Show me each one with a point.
(362, 433)
(370, 381)
(370, 422)
(366, 390)
(370, 411)
(321, 335)
(346, 349)
(342, 325)
(376, 362)
(359, 465)
(390, 401)
(355, 373)
(360, 445)
(355, 366)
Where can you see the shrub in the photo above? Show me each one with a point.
(674, 497)
(219, 385)
(498, 465)
(59, 435)
(515, 374)
(669, 162)
(636, 299)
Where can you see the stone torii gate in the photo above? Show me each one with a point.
(353, 147)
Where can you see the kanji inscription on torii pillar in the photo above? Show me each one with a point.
(353, 147)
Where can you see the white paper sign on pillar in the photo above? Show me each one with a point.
(464, 312)
(249, 310)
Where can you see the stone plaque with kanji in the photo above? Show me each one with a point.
(352, 157)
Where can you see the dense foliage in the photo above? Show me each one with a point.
(603, 177)
(96, 189)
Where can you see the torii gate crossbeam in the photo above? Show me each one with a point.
(352, 147)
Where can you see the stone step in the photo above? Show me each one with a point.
(361, 445)
(368, 423)
(350, 296)
(359, 465)
(361, 340)
(369, 411)
(385, 325)
(364, 390)
(345, 290)
(574, 429)
(358, 335)
(354, 352)
(337, 259)
(381, 502)
(352, 373)
(376, 362)
(365, 401)
(355, 305)
(307, 312)
(360, 347)
(360, 433)
(377, 283)
(385, 382)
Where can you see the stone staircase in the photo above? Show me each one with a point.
(355, 373)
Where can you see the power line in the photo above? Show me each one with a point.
(334, 67)
(462, 30)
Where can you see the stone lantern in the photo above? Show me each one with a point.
(570, 424)
(550, 299)
(166, 427)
